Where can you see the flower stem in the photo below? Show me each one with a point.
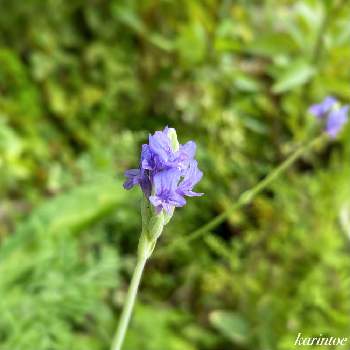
(129, 302)
(245, 198)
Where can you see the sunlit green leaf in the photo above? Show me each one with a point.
(294, 75)
(232, 325)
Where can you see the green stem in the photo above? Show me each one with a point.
(129, 303)
(152, 227)
(245, 198)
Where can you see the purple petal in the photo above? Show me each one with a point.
(132, 172)
(191, 177)
(185, 155)
(160, 144)
(319, 110)
(133, 178)
(166, 181)
(155, 200)
(146, 158)
(165, 185)
(336, 120)
(168, 207)
(128, 184)
(177, 200)
(189, 149)
(145, 183)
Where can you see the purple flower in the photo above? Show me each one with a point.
(133, 178)
(184, 155)
(165, 194)
(137, 177)
(320, 110)
(336, 120)
(191, 176)
(162, 155)
(167, 171)
(333, 115)
(160, 147)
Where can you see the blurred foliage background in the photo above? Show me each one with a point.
(82, 83)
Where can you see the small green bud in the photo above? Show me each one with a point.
(146, 246)
(156, 225)
(173, 138)
(246, 197)
(152, 227)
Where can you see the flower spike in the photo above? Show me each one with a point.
(167, 172)
(332, 114)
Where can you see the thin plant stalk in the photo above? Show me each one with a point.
(129, 303)
(244, 199)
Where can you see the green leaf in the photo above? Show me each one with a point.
(295, 74)
(232, 325)
(71, 212)
(272, 44)
(154, 328)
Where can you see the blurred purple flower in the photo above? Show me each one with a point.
(332, 114)
(167, 171)
(320, 110)
(336, 120)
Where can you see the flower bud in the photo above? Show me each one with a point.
(155, 226)
(173, 139)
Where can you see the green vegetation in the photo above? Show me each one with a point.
(82, 83)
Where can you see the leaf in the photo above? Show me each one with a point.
(71, 211)
(272, 44)
(296, 74)
(162, 333)
(232, 325)
(345, 219)
(191, 43)
(132, 21)
(246, 83)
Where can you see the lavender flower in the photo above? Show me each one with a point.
(332, 114)
(167, 171)
(336, 120)
(134, 178)
(165, 195)
(320, 110)
(191, 176)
